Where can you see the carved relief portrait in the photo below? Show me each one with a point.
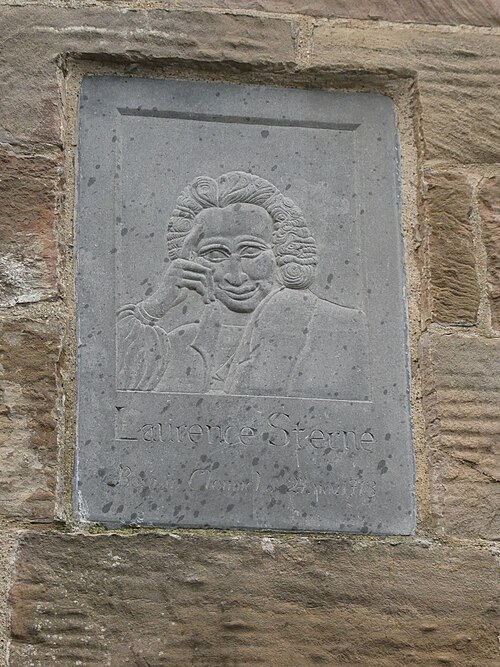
(234, 312)
(241, 334)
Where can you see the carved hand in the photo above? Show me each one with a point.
(182, 275)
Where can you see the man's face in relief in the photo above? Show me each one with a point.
(236, 243)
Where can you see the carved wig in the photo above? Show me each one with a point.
(293, 245)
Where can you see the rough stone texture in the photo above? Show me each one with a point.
(27, 210)
(29, 92)
(473, 12)
(454, 290)
(7, 546)
(489, 208)
(462, 384)
(147, 601)
(28, 449)
(211, 600)
(456, 76)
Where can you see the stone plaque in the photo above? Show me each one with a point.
(242, 337)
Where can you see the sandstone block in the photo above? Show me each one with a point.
(28, 449)
(7, 546)
(223, 600)
(455, 73)
(489, 208)
(481, 12)
(29, 93)
(454, 290)
(462, 385)
(27, 216)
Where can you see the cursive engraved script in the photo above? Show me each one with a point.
(206, 479)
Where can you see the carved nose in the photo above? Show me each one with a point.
(235, 276)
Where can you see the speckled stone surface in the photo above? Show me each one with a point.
(242, 352)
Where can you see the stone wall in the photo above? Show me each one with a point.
(70, 596)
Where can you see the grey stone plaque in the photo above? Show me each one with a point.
(242, 340)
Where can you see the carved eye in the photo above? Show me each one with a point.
(251, 251)
(214, 254)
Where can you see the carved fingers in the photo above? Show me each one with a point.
(188, 274)
(181, 275)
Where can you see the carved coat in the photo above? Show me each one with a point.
(295, 344)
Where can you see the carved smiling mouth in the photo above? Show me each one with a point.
(241, 293)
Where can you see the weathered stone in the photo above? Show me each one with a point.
(7, 546)
(28, 453)
(454, 290)
(222, 600)
(27, 210)
(29, 93)
(306, 392)
(456, 73)
(462, 384)
(489, 208)
(478, 12)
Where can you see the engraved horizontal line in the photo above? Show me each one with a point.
(491, 389)
(463, 396)
(475, 418)
(474, 440)
(470, 433)
(242, 120)
(293, 398)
